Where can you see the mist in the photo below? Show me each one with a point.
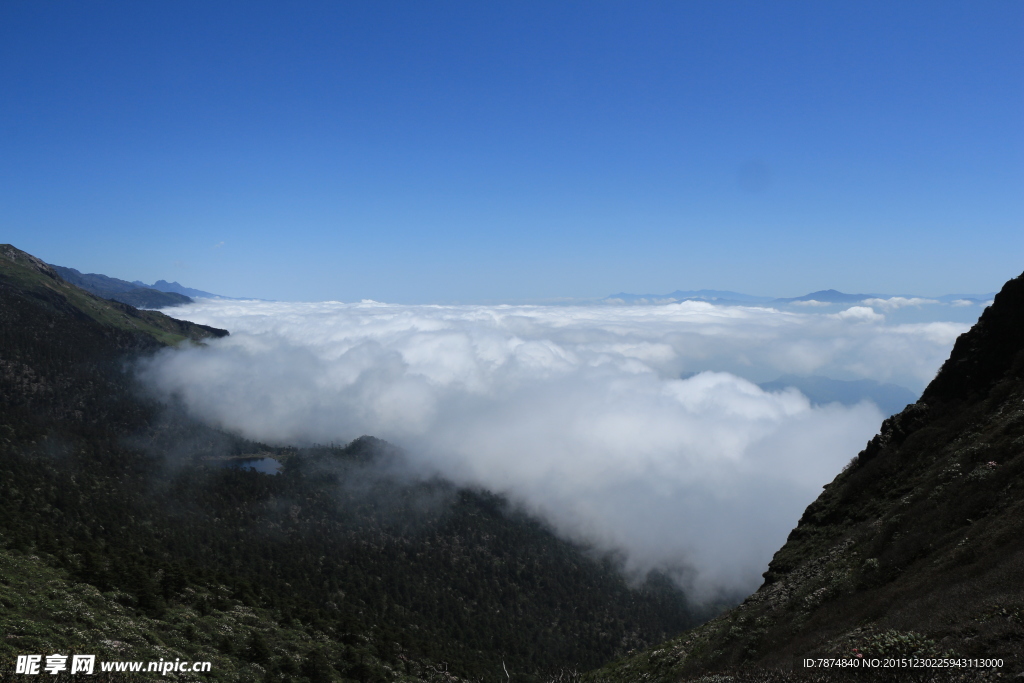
(638, 430)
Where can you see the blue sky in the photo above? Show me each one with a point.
(504, 151)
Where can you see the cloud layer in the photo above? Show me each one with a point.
(578, 413)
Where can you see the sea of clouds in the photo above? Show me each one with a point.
(636, 429)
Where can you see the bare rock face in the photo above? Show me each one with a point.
(15, 255)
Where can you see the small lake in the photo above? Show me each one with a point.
(264, 465)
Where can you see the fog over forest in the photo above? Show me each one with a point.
(637, 429)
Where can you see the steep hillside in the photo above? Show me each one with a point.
(25, 279)
(915, 549)
(63, 350)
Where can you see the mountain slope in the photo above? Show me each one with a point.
(25, 278)
(121, 290)
(915, 549)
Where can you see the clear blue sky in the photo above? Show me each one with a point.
(471, 151)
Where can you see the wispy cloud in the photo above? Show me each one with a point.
(894, 302)
(859, 314)
(578, 413)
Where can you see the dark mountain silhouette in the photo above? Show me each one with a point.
(915, 550)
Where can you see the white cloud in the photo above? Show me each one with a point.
(575, 412)
(811, 303)
(860, 313)
(895, 302)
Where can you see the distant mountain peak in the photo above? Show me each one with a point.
(121, 290)
(177, 288)
(831, 296)
(709, 295)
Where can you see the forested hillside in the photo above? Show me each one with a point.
(130, 530)
(915, 550)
